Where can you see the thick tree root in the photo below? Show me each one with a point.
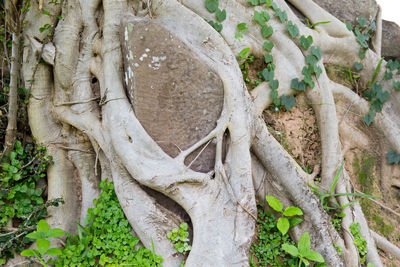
(224, 220)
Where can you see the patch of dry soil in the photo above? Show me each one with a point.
(297, 131)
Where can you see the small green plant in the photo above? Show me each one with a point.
(328, 199)
(21, 199)
(220, 14)
(241, 27)
(180, 238)
(392, 157)
(303, 251)
(106, 238)
(42, 233)
(359, 241)
(283, 222)
(267, 250)
(312, 26)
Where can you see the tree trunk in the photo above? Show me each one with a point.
(112, 63)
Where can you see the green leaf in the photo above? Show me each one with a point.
(18, 148)
(269, 3)
(283, 225)
(54, 251)
(281, 15)
(42, 226)
(316, 51)
(274, 84)
(292, 211)
(297, 85)
(392, 157)
(212, 5)
(37, 235)
(396, 85)
(269, 45)
(266, 31)
(290, 249)
(42, 245)
(388, 75)
(274, 203)
(288, 102)
(267, 75)
(313, 256)
(268, 58)
(56, 232)
(221, 15)
(253, 2)
(261, 17)
(242, 27)
(369, 118)
(292, 29)
(348, 26)
(370, 264)
(362, 21)
(184, 226)
(30, 253)
(244, 53)
(358, 66)
(361, 53)
(304, 244)
(295, 221)
(238, 35)
(306, 42)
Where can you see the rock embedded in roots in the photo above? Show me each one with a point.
(175, 96)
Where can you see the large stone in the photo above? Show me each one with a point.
(390, 40)
(175, 96)
(349, 10)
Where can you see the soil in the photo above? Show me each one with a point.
(297, 131)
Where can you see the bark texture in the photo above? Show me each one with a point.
(148, 94)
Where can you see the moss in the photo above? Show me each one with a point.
(382, 227)
(364, 170)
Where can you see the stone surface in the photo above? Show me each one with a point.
(349, 10)
(176, 97)
(390, 40)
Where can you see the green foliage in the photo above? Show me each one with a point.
(221, 15)
(306, 42)
(283, 224)
(312, 26)
(261, 17)
(180, 238)
(241, 27)
(303, 251)
(328, 199)
(297, 85)
(107, 237)
(266, 31)
(217, 26)
(363, 32)
(358, 66)
(359, 241)
(288, 102)
(392, 157)
(254, 2)
(21, 201)
(268, 46)
(377, 97)
(281, 15)
(267, 250)
(292, 29)
(42, 233)
(212, 5)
